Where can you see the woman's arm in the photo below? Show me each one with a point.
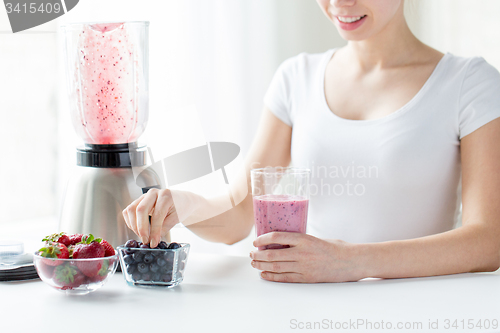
(271, 147)
(473, 247)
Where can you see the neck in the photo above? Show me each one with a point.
(399, 46)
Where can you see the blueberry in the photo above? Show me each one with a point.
(129, 252)
(161, 262)
(146, 277)
(144, 246)
(166, 277)
(136, 276)
(163, 245)
(128, 259)
(154, 268)
(130, 269)
(166, 269)
(174, 246)
(148, 258)
(142, 268)
(180, 266)
(182, 255)
(138, 256)
(156, 277)
(169, 256)
(131, 243)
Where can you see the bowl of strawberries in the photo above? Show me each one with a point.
(75, 264)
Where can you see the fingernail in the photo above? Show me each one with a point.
(253, 263)
(251, 255)
(264, 275)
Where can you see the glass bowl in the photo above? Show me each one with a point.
(153, 267)
(10, 252)
(75, 276)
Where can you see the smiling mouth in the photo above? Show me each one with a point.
(349, 19)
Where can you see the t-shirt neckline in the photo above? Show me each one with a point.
(390, 116)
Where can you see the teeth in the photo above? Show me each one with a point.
(349, 19)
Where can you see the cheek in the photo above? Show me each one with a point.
(385, 10)
(323, 4)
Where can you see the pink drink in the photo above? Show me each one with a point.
(279, 213)
(107, 82)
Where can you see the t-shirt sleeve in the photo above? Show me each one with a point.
(277, 97)
(480, 96)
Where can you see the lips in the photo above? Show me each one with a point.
(349, 19)
(350, 22)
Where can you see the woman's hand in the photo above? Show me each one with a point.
(159, 205)
(309, 259)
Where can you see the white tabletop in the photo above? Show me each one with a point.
(225, 294)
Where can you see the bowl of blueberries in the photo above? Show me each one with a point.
(162, 266)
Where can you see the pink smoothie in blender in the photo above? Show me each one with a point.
(110, 98)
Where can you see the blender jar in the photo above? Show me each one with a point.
(107, 73)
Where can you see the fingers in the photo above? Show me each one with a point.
(129, 214)
(282, 277)
(142, 211)
(283, 238)
(171, 220)
(274, 255)
(163, 205)
(275, 266)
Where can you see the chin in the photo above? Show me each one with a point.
(350, 36)
(355, 36)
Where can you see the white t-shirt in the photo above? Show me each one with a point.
(397, 177)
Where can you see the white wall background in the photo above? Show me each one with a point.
(216, 54)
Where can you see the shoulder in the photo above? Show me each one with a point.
(472, 69)
(304, 63)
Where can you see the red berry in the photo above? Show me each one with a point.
(59, 238)
(64, 239)
(103, 272)
(45, 270)
(54, 251)
(68, 277)
(76, 238)
(89, 248)
(110, 251)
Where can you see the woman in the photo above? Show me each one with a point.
(424, 121)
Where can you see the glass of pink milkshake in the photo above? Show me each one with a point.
(280, 200)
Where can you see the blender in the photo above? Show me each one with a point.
(107, 78)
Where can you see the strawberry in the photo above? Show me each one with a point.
(75, 239)
(54, 251)
(71, 248)
(102, 274)
(58, 238)
(89, 248)
(110, 251)
(45, 270)
(68, 277)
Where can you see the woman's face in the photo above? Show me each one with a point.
(360, 19)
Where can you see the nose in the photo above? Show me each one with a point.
(342, 3)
